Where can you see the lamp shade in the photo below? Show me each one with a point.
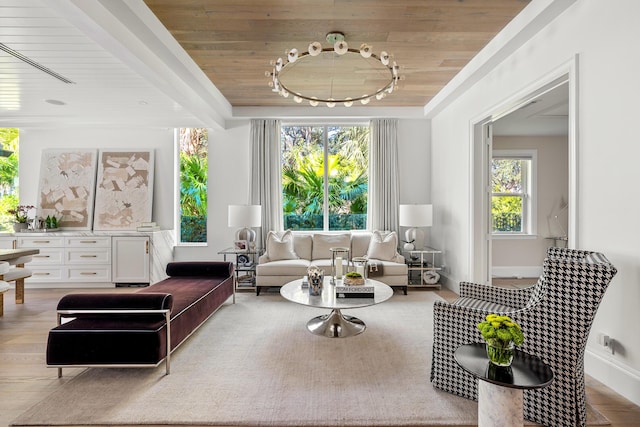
(245, 215)
(416, 215)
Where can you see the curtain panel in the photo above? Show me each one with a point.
(384, 189)
(265, 184)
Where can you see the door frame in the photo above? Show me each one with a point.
(481, 146)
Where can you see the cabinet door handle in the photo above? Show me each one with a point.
(42, 256)
(88, 241)
(146, 244)
(41, 274)
(44, 242)
(88, 256)
(88, 273)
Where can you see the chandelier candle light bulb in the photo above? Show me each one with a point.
(291, 75)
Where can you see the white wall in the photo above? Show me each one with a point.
(33, 141)
(229, 158)
(602, 34)
(228, 170)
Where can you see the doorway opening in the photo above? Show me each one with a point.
(543, 122)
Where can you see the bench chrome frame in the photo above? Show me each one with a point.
(167, 359)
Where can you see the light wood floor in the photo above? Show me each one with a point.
(25, 380)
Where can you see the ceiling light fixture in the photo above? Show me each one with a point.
(334, 76)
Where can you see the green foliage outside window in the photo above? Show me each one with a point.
(303, 176)
(9, 197)
(507, 200)
(193, 185)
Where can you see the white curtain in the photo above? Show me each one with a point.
(382, 212)
(265, 183)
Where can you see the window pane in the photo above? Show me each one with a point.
(193, 184)
(348, 177)
(303, 177)
(506, 213)
(506, 175)
(306, 198)
(9, 196)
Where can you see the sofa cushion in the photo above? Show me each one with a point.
(383, 247)
(296, 268)
(360, 243)
(323, 242)
(280, 246)
(302, 244)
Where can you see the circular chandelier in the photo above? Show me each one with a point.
(335, 75)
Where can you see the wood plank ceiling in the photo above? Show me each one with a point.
(233, 41)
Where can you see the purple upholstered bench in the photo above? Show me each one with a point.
(139, 329)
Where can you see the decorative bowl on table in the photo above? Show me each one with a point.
(353, 278)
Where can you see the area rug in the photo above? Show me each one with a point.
(255, 364)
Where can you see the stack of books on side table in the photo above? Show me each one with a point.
(358, 291)
(148, 226)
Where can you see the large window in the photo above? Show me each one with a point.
(513, 195)
(325, 177)
(193, 184)
(9, 197)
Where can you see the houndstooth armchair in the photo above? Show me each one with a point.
(555, 315)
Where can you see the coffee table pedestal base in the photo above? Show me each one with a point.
(336, 325)
(499, 406)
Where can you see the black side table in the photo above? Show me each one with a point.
(500, 396)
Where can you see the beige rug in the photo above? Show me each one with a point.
(254, 363)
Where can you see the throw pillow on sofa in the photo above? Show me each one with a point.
(280, 246)
(323, 242)
(383, 246)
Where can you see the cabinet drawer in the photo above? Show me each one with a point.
(8, 243)
(46, 274)
(88, 242)
(87, 256)
(47, 256)
(89, 273)
(40, 242)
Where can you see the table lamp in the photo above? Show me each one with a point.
(415, 216)
(245, 217)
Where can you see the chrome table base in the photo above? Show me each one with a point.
(336, 325)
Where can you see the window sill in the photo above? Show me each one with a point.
(514, 236)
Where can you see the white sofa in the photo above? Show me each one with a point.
(288, 255)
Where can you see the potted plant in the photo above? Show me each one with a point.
(20, 216)
(501, 335)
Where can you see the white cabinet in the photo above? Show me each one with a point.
(7, 242)
(69, 258)
(81, 259)
(130, 259)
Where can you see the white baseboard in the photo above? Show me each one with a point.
(621, 379)
(516, 271)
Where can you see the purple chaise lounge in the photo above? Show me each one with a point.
(139, 329)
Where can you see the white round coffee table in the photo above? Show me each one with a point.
(334, 324)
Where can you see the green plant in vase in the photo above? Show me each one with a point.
(501, 334)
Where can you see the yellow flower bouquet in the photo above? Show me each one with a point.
(501, 334)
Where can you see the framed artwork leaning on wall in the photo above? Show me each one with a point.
(124, 189)
(67, 187)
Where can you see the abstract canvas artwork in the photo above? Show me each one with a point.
(67, 185)
(124, 189)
